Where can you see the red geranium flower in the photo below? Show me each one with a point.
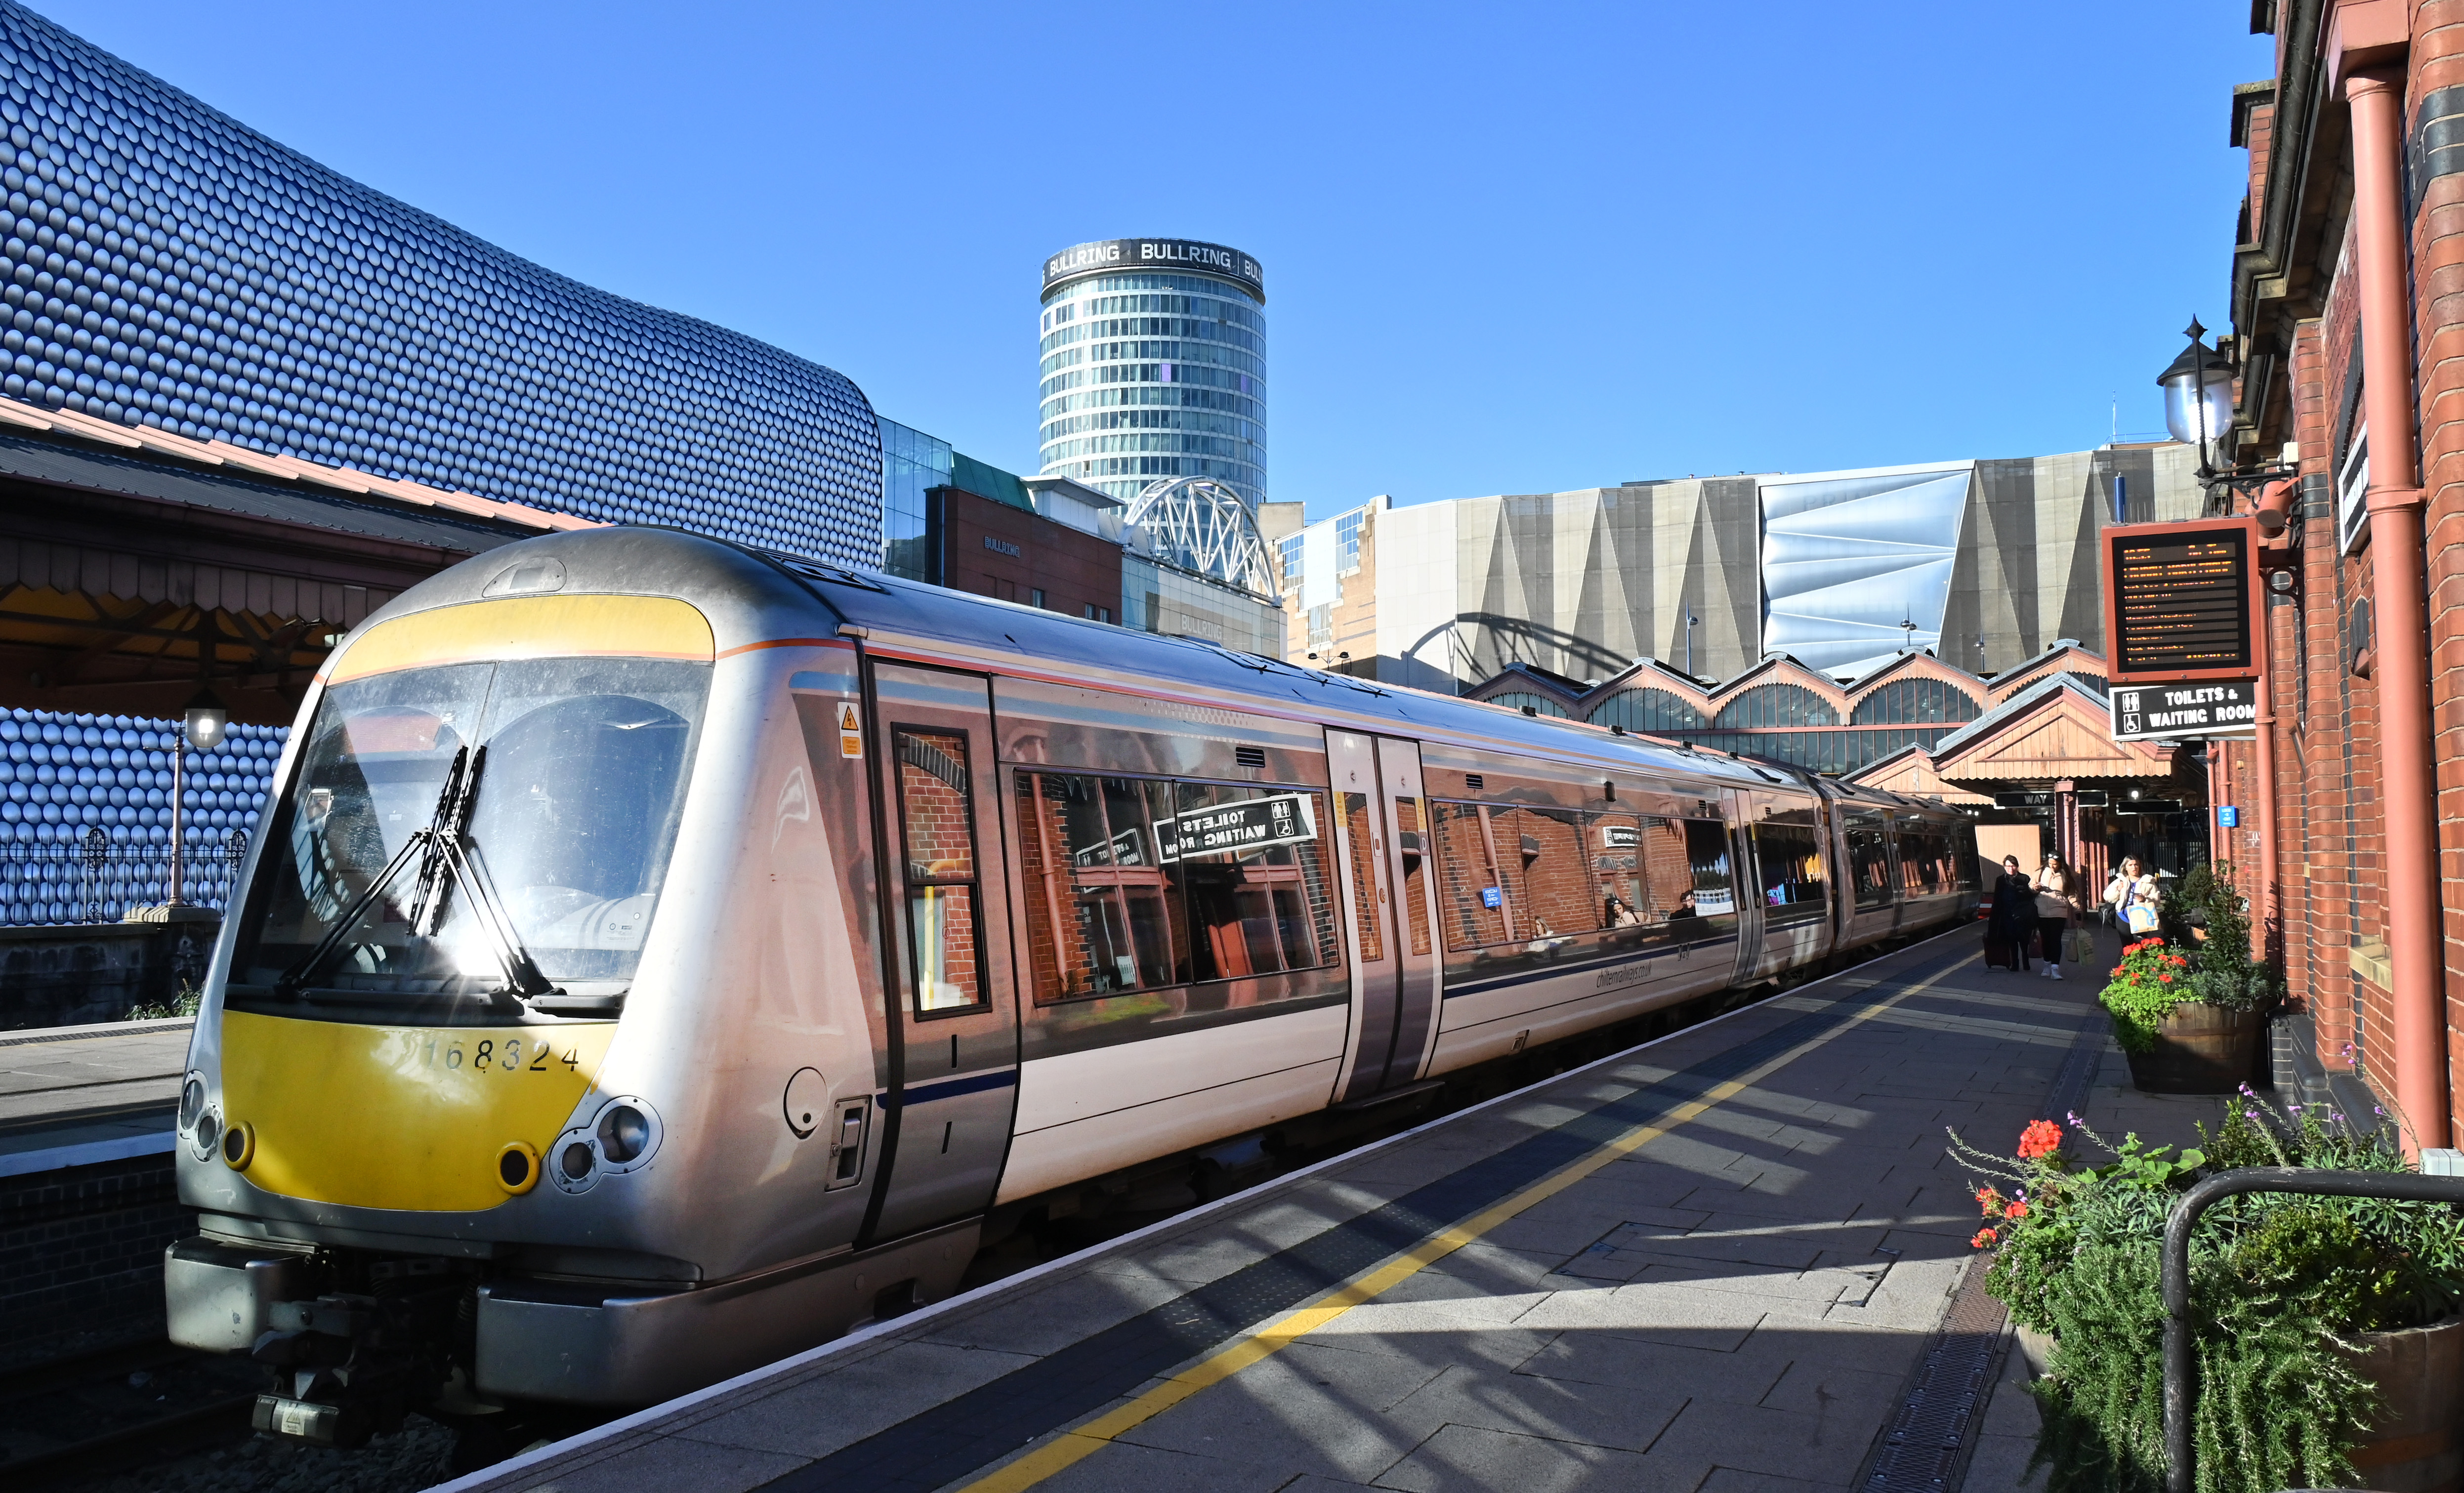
(2041, 1138)
(2017, 1210)
(1984, 1237)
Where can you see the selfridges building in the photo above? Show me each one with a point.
(164, 265)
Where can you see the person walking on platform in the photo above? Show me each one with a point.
(2013, 922)
(2056, 910)
(2135, 899)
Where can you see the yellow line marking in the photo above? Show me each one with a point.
(1082, 1441)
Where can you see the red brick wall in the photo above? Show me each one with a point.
(2438, 281)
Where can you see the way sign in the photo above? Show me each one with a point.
(2209, 707)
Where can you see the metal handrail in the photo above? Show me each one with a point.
(2179, 1388)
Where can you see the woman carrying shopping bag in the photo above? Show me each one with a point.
(2139, 901)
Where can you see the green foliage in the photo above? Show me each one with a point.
(184, 1003)
(2280, 1285)
(2148, 985)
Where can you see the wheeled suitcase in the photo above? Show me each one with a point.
(2001, 953)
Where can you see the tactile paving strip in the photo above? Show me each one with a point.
(985, 1424)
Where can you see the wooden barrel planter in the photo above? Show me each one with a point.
(2200, 1049)
(2418, 1445)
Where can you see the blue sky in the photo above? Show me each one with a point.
(1507, 248)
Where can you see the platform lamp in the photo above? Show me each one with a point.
(201, 728)
(2198, 394)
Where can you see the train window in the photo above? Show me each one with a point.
(1253, 874)
(1963, 851)
(1416, 860)
(1869, 860)
(1473, 895)
(1789, 858)
(1543, 849)
(1101, 904)
(1356, 828)
(1131, 883)
(1925, 858)
(1711, 893)
(1615, 846)
(936, 814)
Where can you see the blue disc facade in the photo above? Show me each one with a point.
(161, 264)
(85, 813)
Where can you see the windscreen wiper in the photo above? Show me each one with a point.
(446, 862)
(453, 863)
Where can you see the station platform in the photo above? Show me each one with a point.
(1736, 1258)
(78, 1095)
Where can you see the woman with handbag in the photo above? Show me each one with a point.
(2013, 922)
(2055, 894)
(2141, 898)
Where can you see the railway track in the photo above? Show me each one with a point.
(117, 1408)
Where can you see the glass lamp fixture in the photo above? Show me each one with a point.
(2198, 391)
(208, 718)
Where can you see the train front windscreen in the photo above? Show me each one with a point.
(461, 832)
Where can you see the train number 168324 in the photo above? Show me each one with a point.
(511, 1055)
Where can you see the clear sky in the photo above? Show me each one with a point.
(1507, 248)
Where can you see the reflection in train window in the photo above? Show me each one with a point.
(1925, 869)
(1472, 896)
(1361, 836)
(1615, 847)
(939, 820)
(1516, 874)
(1135, 884)
(1869, 859)
(1253, 870)
(1789, 856)
(1416, 860)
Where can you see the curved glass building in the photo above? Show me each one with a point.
(1154, 365)
(164, 265)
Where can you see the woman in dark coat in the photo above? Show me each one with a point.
(2013, 922)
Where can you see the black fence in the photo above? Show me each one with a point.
(97, 881)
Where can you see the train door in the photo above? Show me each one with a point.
(1377, 815)
(1411, 873)
(1749, 882)
(953, 1088)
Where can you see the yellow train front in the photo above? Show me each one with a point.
(662, 955)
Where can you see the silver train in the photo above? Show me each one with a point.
(663, 956)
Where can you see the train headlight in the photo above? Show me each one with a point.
(239, 1146)
(192, 1102)
(624, 1134)
(517, 1167)
(621, 1137)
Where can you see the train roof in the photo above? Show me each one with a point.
(743, 591)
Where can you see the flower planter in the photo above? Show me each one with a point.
(2036, 1349)
(2418, 1446)
(2200, 1049)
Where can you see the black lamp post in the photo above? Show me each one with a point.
(2198, 394)
(201, 728)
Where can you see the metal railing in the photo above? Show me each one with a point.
(2181, 1384)
(95, 880)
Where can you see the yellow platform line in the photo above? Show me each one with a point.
(1082, 1441)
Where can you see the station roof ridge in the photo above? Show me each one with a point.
(76, 425)
(2016, 705)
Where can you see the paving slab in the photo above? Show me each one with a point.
(1735, 1299)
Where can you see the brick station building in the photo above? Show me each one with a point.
(2347, 322)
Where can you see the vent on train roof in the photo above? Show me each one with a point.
(1474, 781)
(1250, 757)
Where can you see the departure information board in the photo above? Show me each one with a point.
(2180, 600)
